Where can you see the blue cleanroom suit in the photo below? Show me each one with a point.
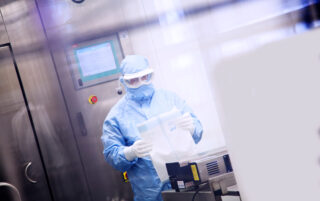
(119, 131)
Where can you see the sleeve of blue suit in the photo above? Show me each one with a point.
(114, 144)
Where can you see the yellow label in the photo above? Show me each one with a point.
(125, 177)
(195, 172)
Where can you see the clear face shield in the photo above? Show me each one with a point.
(136, 80)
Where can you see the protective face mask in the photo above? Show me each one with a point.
(142, 93)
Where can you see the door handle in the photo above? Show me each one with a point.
(82, 125)
(26, 173)
(12, 187)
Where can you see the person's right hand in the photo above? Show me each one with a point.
(139, 149)
(186, 122)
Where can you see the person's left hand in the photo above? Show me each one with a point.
(185, 122)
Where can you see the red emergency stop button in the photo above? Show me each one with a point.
(93, 99)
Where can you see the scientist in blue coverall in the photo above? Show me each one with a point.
(123, 147)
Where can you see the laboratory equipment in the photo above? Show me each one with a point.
(188, 175)
(210, 175)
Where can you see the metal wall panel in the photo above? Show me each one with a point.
(39, 78)
(105, 183)
(3, 33)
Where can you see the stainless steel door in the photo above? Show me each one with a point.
(20, 162)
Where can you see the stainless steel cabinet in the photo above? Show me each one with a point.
(20, 162)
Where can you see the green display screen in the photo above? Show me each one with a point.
(96, 61)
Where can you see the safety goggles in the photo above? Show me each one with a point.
(136, 80)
